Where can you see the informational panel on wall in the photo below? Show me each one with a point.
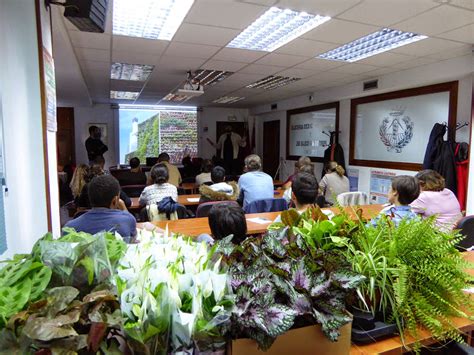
(50, 91)
(399, 129)
(353, 176)
(380, 183)
(307, 130)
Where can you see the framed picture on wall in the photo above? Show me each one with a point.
(392, 130)
(309, 130)
(103, 131)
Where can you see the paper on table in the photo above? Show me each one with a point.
(259, 220)
(193, 199)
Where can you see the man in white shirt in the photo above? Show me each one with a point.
(229, 144)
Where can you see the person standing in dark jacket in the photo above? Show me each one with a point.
(94, 145)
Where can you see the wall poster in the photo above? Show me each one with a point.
(380, 184)
(308, 130)
(50, 91)
(392, 130)
(353, 176)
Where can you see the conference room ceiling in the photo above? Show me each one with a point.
(200, 43)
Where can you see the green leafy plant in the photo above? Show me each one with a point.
(61, 323)
(290, 277)
(414, 275)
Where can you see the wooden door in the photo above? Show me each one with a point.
(271, 147)
(65, 137)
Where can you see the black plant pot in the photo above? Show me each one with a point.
(367, 329)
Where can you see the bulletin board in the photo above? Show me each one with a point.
(392, 130)
(308, 129)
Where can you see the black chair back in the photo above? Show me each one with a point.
(204, 208)
(466, 227)
(133, 190)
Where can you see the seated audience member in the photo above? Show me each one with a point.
(302, 161)
(254, 184)
(219, 190)
(135, 176)
(82, 201)
(78, 180)
(173, 172)
(108, 212)
(160, 188)
(304, 192)
(205, 175)
(225, 220)
(435, 199)
(308, 169)
(404, 190)
(334, 182)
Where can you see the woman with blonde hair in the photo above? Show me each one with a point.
(78, 180)
(334, 182)
(302, 161)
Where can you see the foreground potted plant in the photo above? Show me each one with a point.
(292, 277)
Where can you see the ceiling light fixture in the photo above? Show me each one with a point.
(375, 43)
(272, 82)
(209, 77)
(153, 19)
(133, 72)
(124, 95)
(275, 28)
(228, 99)
(175, 97)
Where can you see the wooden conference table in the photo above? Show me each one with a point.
(394, 344)
(256, 222)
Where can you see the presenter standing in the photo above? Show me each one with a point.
(94, 145)
(229, 144)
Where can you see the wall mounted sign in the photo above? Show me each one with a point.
(50, 91)
(391, 130)
(308, 130)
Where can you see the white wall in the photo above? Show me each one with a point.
(454, 69)
(98, 113)
(25, 201)
(207, 118)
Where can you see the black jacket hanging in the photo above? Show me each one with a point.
(434, 144)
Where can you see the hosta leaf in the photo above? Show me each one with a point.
(40, 280)
(14, 298)
(277, 319)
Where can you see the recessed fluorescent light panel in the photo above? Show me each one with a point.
(272, 82)
(375, 43)
(153, 19)
(124, 95)
(134, 72)
(174, 97)
(228, 99)
(275, 28)
(211, 77)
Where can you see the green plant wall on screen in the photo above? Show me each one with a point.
(148, 132)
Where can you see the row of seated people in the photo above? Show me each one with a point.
(404, 196)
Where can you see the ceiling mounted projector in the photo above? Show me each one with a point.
(86, 15)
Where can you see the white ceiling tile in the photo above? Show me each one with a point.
(438, 20)
(261, 69)
(339, 31)
(177, 65)
(138, 45)
(305, 47)
(381, 71)
(90, 40)
(199, 34)
(95, 65)
(131, 57)
(223, 65)
(354, 68)
(319, 64)
(453, 53)
(242, 78)
(239, 55)
(231, 14)
(178, 49)
(281, 60)
(467, 4)
(320, 7)
(124, 85)
(329, 76)
(386, 59)
(427, 46)
(92, 54)
(259, 2)
(463, 34)
(386, 12)
(296, 73)
(415, 63)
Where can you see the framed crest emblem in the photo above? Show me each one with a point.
(392, 130)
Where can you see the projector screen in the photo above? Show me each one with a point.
(148, 132)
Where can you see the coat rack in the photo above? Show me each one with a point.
(461, 125)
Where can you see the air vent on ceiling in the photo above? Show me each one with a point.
(273, 106)
(370, 85)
